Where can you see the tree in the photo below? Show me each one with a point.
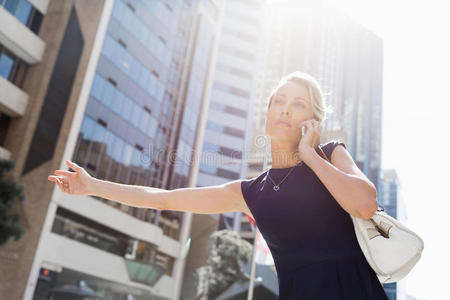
(10, 191)
(229, 252)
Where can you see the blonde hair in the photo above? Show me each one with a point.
(320, 109)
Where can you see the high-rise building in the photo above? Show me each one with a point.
(43, 56)
(346, 59)
(122, 86)
(391, 198)
(21, 49)
(119, 86)
(228, 127)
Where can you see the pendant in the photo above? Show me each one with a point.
(276, 187)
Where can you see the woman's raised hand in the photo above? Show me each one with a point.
(312, 137)
(74, 183)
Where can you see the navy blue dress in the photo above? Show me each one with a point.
(311, 237)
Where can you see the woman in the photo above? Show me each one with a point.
(301, 205)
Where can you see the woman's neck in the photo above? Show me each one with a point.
(284, 155)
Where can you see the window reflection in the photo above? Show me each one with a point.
(89, 232)
(105, 160)
(170, 222)
(208, 169)
(25, 13)
(111, 154)
(105, 92)
(142, 32)
(107, 156)
(12, 68)
(6, 65)
(135, 115)
(126, 108)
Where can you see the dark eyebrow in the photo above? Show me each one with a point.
(283, 95)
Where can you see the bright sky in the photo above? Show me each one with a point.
(416, 138)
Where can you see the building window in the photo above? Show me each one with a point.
(6, 64)
(208, 169)
(25, 13)
(218, 172)
(4, 124)
(49, 279)
(76, 227)
(227, 109)
(12, 68)
(232, 90)
(224, 129)
(170, 223)
(238, 53)
(84, 230)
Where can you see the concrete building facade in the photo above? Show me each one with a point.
(118, 87)
(54, 40)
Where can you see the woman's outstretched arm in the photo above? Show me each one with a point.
(204, 200)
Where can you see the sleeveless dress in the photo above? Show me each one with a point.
(310, 236)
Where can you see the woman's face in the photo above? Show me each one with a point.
(291, 104)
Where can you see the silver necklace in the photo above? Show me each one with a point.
(276, 187)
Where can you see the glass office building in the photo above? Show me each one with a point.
(144, 104)
(347, 60)
(129, 105)
(229, 131)
(228, 124)
(391, 198)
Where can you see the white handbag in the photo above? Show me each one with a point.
(390, 248)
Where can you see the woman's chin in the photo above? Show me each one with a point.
(282, 137)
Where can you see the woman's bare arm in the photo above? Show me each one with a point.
(214, 199)
(222, 198)
(131, 195)
(203, 200)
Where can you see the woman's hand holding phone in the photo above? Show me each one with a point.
(311, 131)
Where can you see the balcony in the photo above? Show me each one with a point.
(19, 39)
(114, 218)
(69, 254)
(4, 154)
(13, 101)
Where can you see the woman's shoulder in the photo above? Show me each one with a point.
(255, 179)
(251, 184)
